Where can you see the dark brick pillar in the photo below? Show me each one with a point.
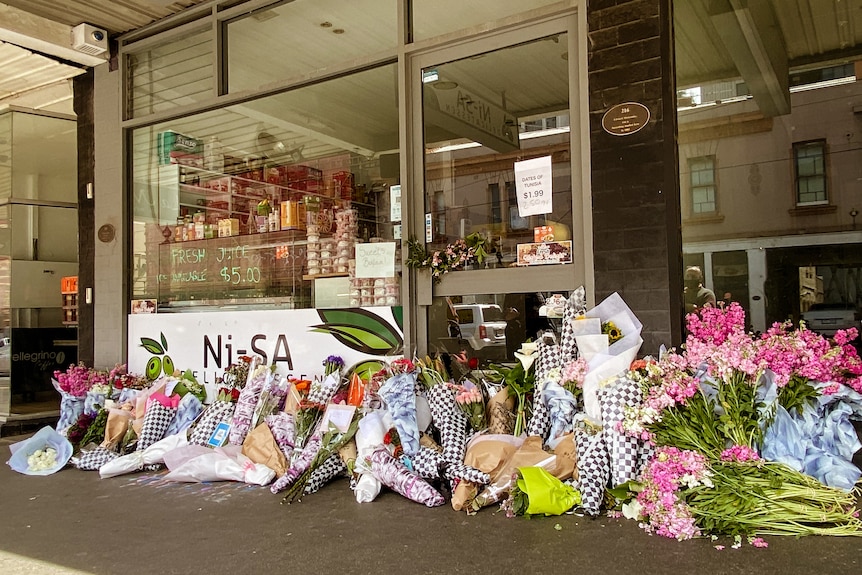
(83, 104)
(636, 213)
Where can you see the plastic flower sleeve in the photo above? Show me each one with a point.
(194, 464)
(549, 358)
(593, 469)
(624, 450)
(619, 355)
(807, 443)
(575, 306)
(450, 421)
(94, 459)
(189, 409)
(283, 428)
(547, 494)
(322, 392)
(324, 473)
(429, 464)
(399, 395)
(302, 462)
(136, 460)
(369, 437)
(157, 419)
(258, 375)
(93, 401)
(71, 407)
(215, 413)
(45, 437)
(561, 406)
(394, 475)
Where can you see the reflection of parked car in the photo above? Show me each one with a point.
(483, 327)
(827, 318)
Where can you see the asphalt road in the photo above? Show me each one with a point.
(73, 522)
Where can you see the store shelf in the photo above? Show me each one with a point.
(320, 276)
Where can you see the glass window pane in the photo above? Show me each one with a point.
(475, 137)
(44, 158)
(789, 164)
(168, 75)
(435, 17)
(302, 36)
(261, 204)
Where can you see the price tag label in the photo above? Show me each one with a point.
(395, 203)
(533, 180)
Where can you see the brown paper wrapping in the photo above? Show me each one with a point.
(567, 458)
(489, 456)
(260, 447)
(530, 454)
(291, 403)
(501, 418)
(117, 426)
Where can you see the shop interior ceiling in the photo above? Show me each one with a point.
(759, 42)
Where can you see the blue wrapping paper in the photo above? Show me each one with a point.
(399, 395)
(187, 412)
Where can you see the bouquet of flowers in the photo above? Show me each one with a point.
(536, 492)
(470, 400)
(399, 396)
(454, 256)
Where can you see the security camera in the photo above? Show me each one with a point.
(88, 39)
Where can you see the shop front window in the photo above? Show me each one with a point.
(282, 202)
(776, 131)
(506, 184)
(171, 74)
(304, 36)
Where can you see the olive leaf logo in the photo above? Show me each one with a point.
(361, 330)
(156, 365)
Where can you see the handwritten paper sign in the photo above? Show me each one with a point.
(533, 186)
(375, 260)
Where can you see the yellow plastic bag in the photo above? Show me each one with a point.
(547, 494)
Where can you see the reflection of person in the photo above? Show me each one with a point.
(514, 331)
(696, 295)
(725, 301)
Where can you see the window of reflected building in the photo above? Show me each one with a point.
(781, 135)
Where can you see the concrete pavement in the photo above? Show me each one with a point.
(73, 522)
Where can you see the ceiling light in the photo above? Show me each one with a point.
(445, 85)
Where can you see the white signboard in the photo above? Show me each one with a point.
(533, 185)
(375, 260)
(395, 203)
(296, 341)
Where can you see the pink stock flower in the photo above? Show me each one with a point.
(740, 454)
(663, 512)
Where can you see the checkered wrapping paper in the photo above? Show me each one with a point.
(540, 422)
(214, 414)
(93, 459)
(548, 357)
(624, 450)
(430, 465)
(575, 306)
(331, 468)
(322, 392)
(593, 469)
(157, 420)
(450, 421)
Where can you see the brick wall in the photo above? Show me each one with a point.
(636, 217)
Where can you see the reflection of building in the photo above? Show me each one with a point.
(764, 198)
(38, 218)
